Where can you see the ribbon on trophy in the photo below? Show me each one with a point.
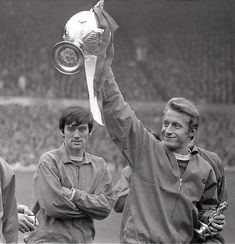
(90, 66)
(95, 64)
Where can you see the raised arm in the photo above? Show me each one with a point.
(127, 132)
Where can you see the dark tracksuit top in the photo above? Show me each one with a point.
(122, 188)
(62, 220)
(161, 205)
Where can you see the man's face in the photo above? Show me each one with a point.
(75, 138)
(175, 131)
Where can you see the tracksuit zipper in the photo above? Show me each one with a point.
(173, 210)
(179, 190)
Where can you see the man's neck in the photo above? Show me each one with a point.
(76, 153)
(76, 159)
(182, 151)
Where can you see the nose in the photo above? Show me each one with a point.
(168, 129)
(76, 134)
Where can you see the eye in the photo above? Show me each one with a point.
(176, 125)
(70, 128)
(83, 128)
(165, 123)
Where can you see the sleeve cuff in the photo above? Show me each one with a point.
(73, 194)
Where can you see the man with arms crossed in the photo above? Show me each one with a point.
(72, 187)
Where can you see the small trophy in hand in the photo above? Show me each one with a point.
(204, 228)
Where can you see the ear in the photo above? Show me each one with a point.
(62, 133)
(192, 132)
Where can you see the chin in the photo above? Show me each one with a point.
(77, 147)
(170, 146)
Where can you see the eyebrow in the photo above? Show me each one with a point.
(76, 125)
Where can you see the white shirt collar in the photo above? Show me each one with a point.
(182, 157)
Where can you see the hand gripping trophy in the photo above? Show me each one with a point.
(86, 37)
(204, 229)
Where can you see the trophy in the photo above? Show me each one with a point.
(82, 37)
(83, 46)
(204, 228)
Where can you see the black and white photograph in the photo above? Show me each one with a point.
(117, 121)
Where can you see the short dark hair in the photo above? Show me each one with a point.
(75, 114)
(183, 105)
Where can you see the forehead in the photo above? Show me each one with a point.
(174, 116)
(75, 123)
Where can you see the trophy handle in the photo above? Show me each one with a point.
(67, 57)
(203, 228)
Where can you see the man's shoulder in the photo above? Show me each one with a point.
(5, 166)
(3, 162)
(51, 153)
(210, 156)
(213, 159)
(208, 153)
(97, 160)
(6, 172)
(49, 157)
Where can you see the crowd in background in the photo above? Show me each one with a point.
(188, 51)
(165, 49)
(29, 131)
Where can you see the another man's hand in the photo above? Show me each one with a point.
(24, 209)
(26, 219)
(26, 222)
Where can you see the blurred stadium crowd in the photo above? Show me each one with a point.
(167, 48)
(28, 131)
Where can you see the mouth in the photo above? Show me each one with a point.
(77, 142)
(169, 137)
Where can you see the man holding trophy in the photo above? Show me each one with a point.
(172, 187)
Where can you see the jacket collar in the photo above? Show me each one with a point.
(66, 159)
(193, 150)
